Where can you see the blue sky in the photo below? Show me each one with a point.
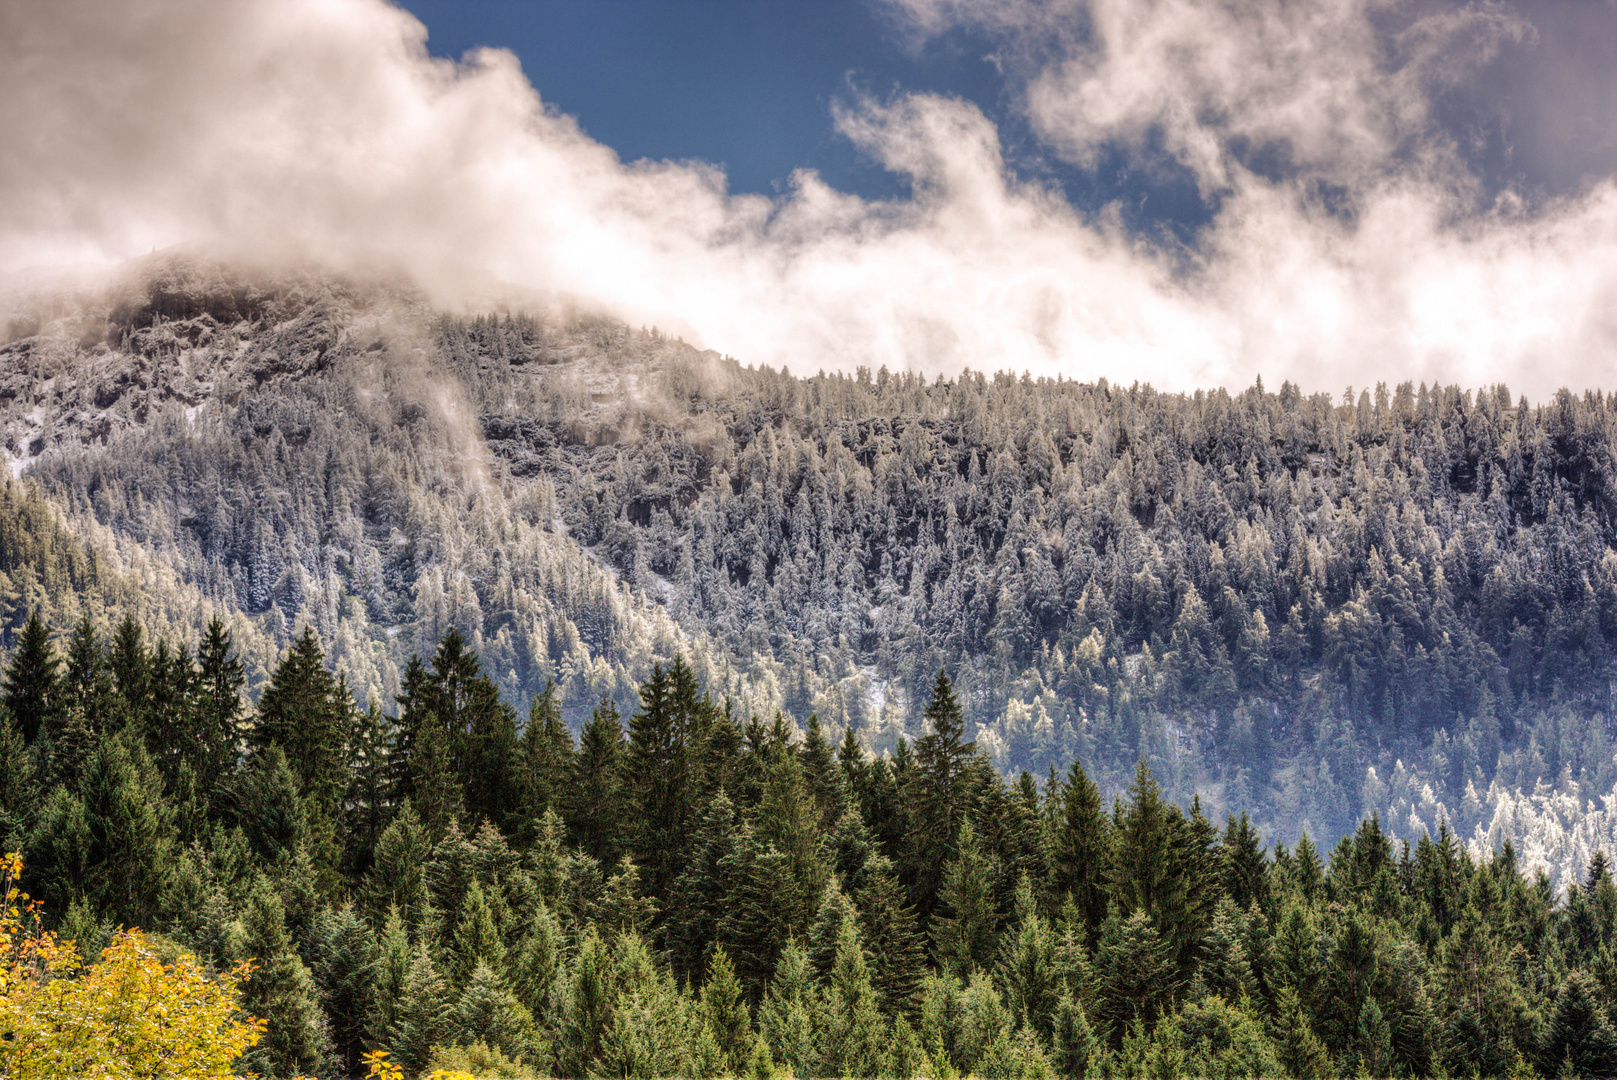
(1182, 192)
(749, 85)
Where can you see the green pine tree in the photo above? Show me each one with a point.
(32, 689)
(282, 992)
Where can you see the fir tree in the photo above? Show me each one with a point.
(724, 1010)
(32, 690)
(855, 1034)
(297, 1039)
(940, 793)
(1079, 847)
(592, 804)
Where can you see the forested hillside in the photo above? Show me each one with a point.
(690, 892)
(1398, 601)
(1263, 594)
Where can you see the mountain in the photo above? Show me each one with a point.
(1401, 602)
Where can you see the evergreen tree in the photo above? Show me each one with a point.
(1579, 1031)
(1136, 977)
(297, 1039)
(965, 929)
(218, 707)
(897, 949)
(547, 757)
(488, 1014)
(346, 974)
(18, 793)
(477, 939)
(940, 794)
(790, 1018)
(303, 712)
(855, 1035)
(592, 804)
(1079, 847)
(423, 1013)
(32, 690)
(724, 1010)
(1246, 870)
(656, 772)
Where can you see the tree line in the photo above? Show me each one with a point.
(689, 891)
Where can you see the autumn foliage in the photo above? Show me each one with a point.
(129, 1014)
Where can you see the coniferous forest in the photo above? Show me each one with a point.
(538, 696)
(1309, 607)
(688, 891)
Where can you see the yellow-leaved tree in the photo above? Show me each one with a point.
(127, 1015)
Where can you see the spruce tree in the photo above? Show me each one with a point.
(939, 794)
(855, 1034)
(1136, 978)
(965, 929)
(487, 1013)
(656, 773)
(423, 1013)
(130, 664)
(1246, 869)
(547, 758)
(19, 797)
(297, 1038)
(218, 705)
(1079, 847)
(791, 1016)
(303, 712)
(346, 974)
(592, 803)
(724, 1010)
(32, 690)
(897, 949)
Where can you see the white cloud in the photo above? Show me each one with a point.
(323, 127)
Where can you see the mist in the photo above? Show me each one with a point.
(1353, 236)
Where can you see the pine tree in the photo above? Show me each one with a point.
(825, 782)
(724, 1010)
(32, 690)
(397, 878)
(940, 794)
(130, 831)
(537, 967)
(592, 804)
(477, 939)
(855, 1035)
(1072, 1044)
(297, 1039)
(1079, 847)
(1299, 1050)
(964, 932)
